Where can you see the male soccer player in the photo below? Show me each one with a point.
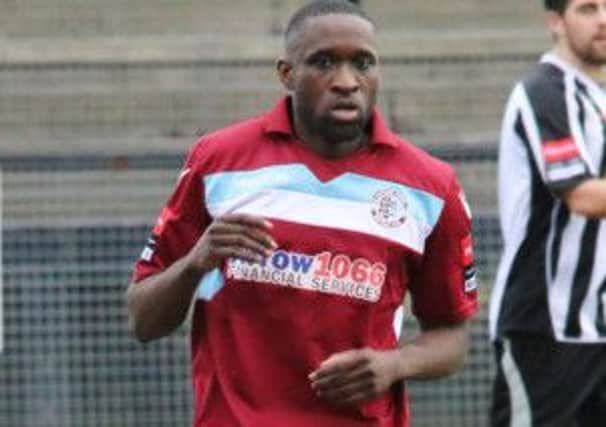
(548, 306)
(297, 234)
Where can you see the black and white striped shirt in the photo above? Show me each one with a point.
(552, 276)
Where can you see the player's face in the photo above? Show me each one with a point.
(333, 77)
(582, 29)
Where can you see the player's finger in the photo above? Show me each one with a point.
(246, 219)
(345, 379)
(237, 252)
(350, 395)
(240, 242)
(354, 398)
(260, 234)
(340, 362)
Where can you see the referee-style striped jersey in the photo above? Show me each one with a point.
(552, 276)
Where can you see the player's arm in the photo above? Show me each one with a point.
(158, 304)
(438, 351)
(587, 198)
(557, 149)
(356, 376)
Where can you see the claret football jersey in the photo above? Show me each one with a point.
(354, 236)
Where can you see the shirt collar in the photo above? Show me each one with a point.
(595, 91)
(277, 122)
(552, 58)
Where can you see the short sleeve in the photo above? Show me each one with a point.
(179, 225)
(559, 113)
(444, 288)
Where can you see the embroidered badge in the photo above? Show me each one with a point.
(390, 208)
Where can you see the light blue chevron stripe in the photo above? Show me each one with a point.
(224, 186)
(210, 284)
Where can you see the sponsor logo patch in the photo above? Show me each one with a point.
(149, 249)
(560, 150)
(389, 208)
(469, 276)
(328, 273)
(565, 170)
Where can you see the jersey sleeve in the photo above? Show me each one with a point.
(558, 115)
(444, 288)
(179, 225)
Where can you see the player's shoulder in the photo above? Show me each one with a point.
(423, 169)
(544, 81)
(237, 140)
(239, 135)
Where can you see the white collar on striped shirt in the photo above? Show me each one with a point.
(595, 90)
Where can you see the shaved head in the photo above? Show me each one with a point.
(314, 9)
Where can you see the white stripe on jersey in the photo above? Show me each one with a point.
(560, 289)
(570, 76)
(573, 122)
(561, 173)
(520, 404)
(326, 212)
(590, 305)
(520, 98)
(514, 205)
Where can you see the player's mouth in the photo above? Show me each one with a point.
(345, 112)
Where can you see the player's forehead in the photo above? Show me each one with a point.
(336, 32)
(574, 4)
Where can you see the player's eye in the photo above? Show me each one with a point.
(587, 9)
(322, 61)
(365, 62)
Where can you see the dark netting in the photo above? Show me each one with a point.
(99, 101)
(72, 230)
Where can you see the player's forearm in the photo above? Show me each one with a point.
(435, 353)
(588, 198)
(158, 304)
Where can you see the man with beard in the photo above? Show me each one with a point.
(548, 307)
(338, 218)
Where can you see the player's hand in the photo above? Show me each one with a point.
(232, 236)
(355, 376)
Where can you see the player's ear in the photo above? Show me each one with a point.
(285, 73)
(555, 24)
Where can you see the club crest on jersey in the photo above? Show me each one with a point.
(390, 208)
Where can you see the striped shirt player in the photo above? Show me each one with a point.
(548, 306)
(355, 235)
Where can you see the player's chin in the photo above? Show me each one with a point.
(344, 132)
(597, 56)
(340, 130)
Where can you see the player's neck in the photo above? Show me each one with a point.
(331, 149)
(322, 145)
(596, 72)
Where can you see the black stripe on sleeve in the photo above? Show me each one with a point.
(562, 218)
(600, 321)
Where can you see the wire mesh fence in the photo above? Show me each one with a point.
(98, 102)
(73, 227)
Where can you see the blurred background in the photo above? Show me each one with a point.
(99, 100)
